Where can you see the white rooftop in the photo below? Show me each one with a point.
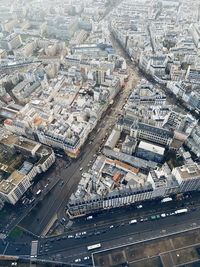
(151, 147)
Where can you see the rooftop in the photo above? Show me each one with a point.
(6, 186)
(189, 171)
(151, 147)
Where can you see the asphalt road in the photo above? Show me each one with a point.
(56, 201)
(128, 213)
(13, 215)
(122, 233)
(100, 229)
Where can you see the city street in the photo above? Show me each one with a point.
(136, 176)
(121, 233)
(56, 201)
(111, 229)
(66, 178)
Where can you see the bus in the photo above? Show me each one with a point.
(94, 246)
(166, 199)
(38, 192)
(181, 211)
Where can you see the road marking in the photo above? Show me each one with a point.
(5, 248)
(34, 249)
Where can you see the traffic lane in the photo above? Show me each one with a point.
(130, 212)
(39, 220)
(170, 98)
(118, 231)
(69, 186)
(73, 169)
(85, 257)
(84, 162)
(33, 219)
(71, 257)
(113, 241)
(110, 118)
(44, 198)
(20, 211)
(89, 152)
(3, 245)
(120, 241)
(44, 215)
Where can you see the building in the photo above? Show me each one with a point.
(153, 134)
(114, 185)
(113, 139)
(188, 177)
(146, 94)
(151, 152)
(193, 141)
(3, 54)
(129, 145)
(144, 131)
(30, 159)
(11, 42)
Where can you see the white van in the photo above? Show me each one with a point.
(133, 221)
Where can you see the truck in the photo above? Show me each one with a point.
(166, 199)
(155, 217)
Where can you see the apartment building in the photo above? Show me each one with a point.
(188, 177)
(11, 42)
(17, 181)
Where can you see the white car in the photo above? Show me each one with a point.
(111, 226)
(86, 258)
(139, 207)
(77, 260)
(70, 236)
(89, 217)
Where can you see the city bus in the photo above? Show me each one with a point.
(38, 192)
(94, 246)
(181, 211)
(166, 199)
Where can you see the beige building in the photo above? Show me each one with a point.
(188, 177)
(3, 54)
(19, 174)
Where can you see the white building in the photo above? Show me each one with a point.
(188, 177)
(13, 188)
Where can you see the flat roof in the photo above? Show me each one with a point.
(131, 160)
(189, 171)
(151, 147)
(123, 165)
(6, 186)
